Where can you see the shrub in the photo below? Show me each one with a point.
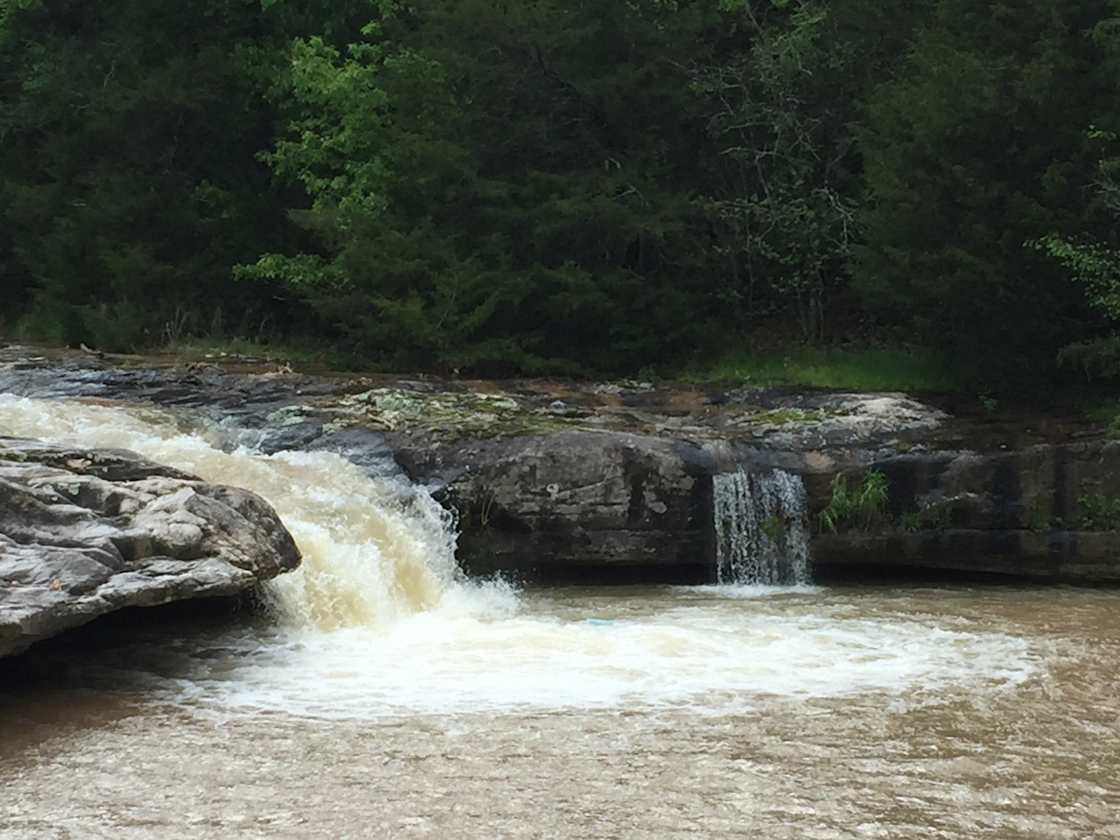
(1099, 513)
(859, 508)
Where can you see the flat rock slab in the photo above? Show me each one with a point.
(87, 532)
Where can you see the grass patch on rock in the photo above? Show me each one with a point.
(445, 413)
(858, 507)
(855, 370)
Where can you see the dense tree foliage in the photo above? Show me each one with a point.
(975, 148)
(1093, 258)
(129, 183)
(553, 185)
(787, 175)
(491, 186)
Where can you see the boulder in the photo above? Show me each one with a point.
(87, 532)
(575, 505)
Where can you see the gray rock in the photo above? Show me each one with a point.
(577, 504)
(87, 532)
(1014, 515)
(584, 482)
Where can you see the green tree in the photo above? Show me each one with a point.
(1094, 264)
(1092, 258)
(500, 186)
(784, 91)
(129, 185)
(975, 148)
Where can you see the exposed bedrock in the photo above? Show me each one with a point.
(1034, 514)
(570, 505)
(575, 504)
(87, 532)
(588, 482)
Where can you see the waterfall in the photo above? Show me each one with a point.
(762, 536)
(373, 550)
(378, 623)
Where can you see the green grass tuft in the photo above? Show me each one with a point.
(856, 370)
(856, 508)
(1099, 513)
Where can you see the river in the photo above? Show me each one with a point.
(379, 693)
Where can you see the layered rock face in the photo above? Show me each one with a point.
(620, 489)
(609, 506)
(584, 482)
(1026, 514)
(87, 532)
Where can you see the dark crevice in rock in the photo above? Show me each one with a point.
(44, 664)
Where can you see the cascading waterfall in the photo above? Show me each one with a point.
(373, 551)
(761, 531)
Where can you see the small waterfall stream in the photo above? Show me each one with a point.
(762, 536)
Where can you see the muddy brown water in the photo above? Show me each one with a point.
(859, 713)
(384, 695)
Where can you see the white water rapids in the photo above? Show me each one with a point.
(379, 623)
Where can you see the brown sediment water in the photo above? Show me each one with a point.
(386, 696)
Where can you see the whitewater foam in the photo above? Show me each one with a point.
(379, 622)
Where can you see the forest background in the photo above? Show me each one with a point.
(571, 187)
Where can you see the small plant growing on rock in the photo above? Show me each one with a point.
(1099, 513)
(938, 516)
(482, 507)
(910, 521)
(859, 508)
(1113, 429)
(1038, 519)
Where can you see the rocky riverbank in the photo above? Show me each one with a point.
(602, 482)
(88, 532)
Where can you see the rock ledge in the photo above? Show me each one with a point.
(87, 532)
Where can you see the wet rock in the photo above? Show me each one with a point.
(1013, 555)
(275, 438)
(1012, 515)
(87, 532)
(366, 448)
(575, 503)
(576, 481)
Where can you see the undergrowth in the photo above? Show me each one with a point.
(857, 370)
(1098, 512)
(856, 508)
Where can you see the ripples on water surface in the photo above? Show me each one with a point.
(386, 697)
